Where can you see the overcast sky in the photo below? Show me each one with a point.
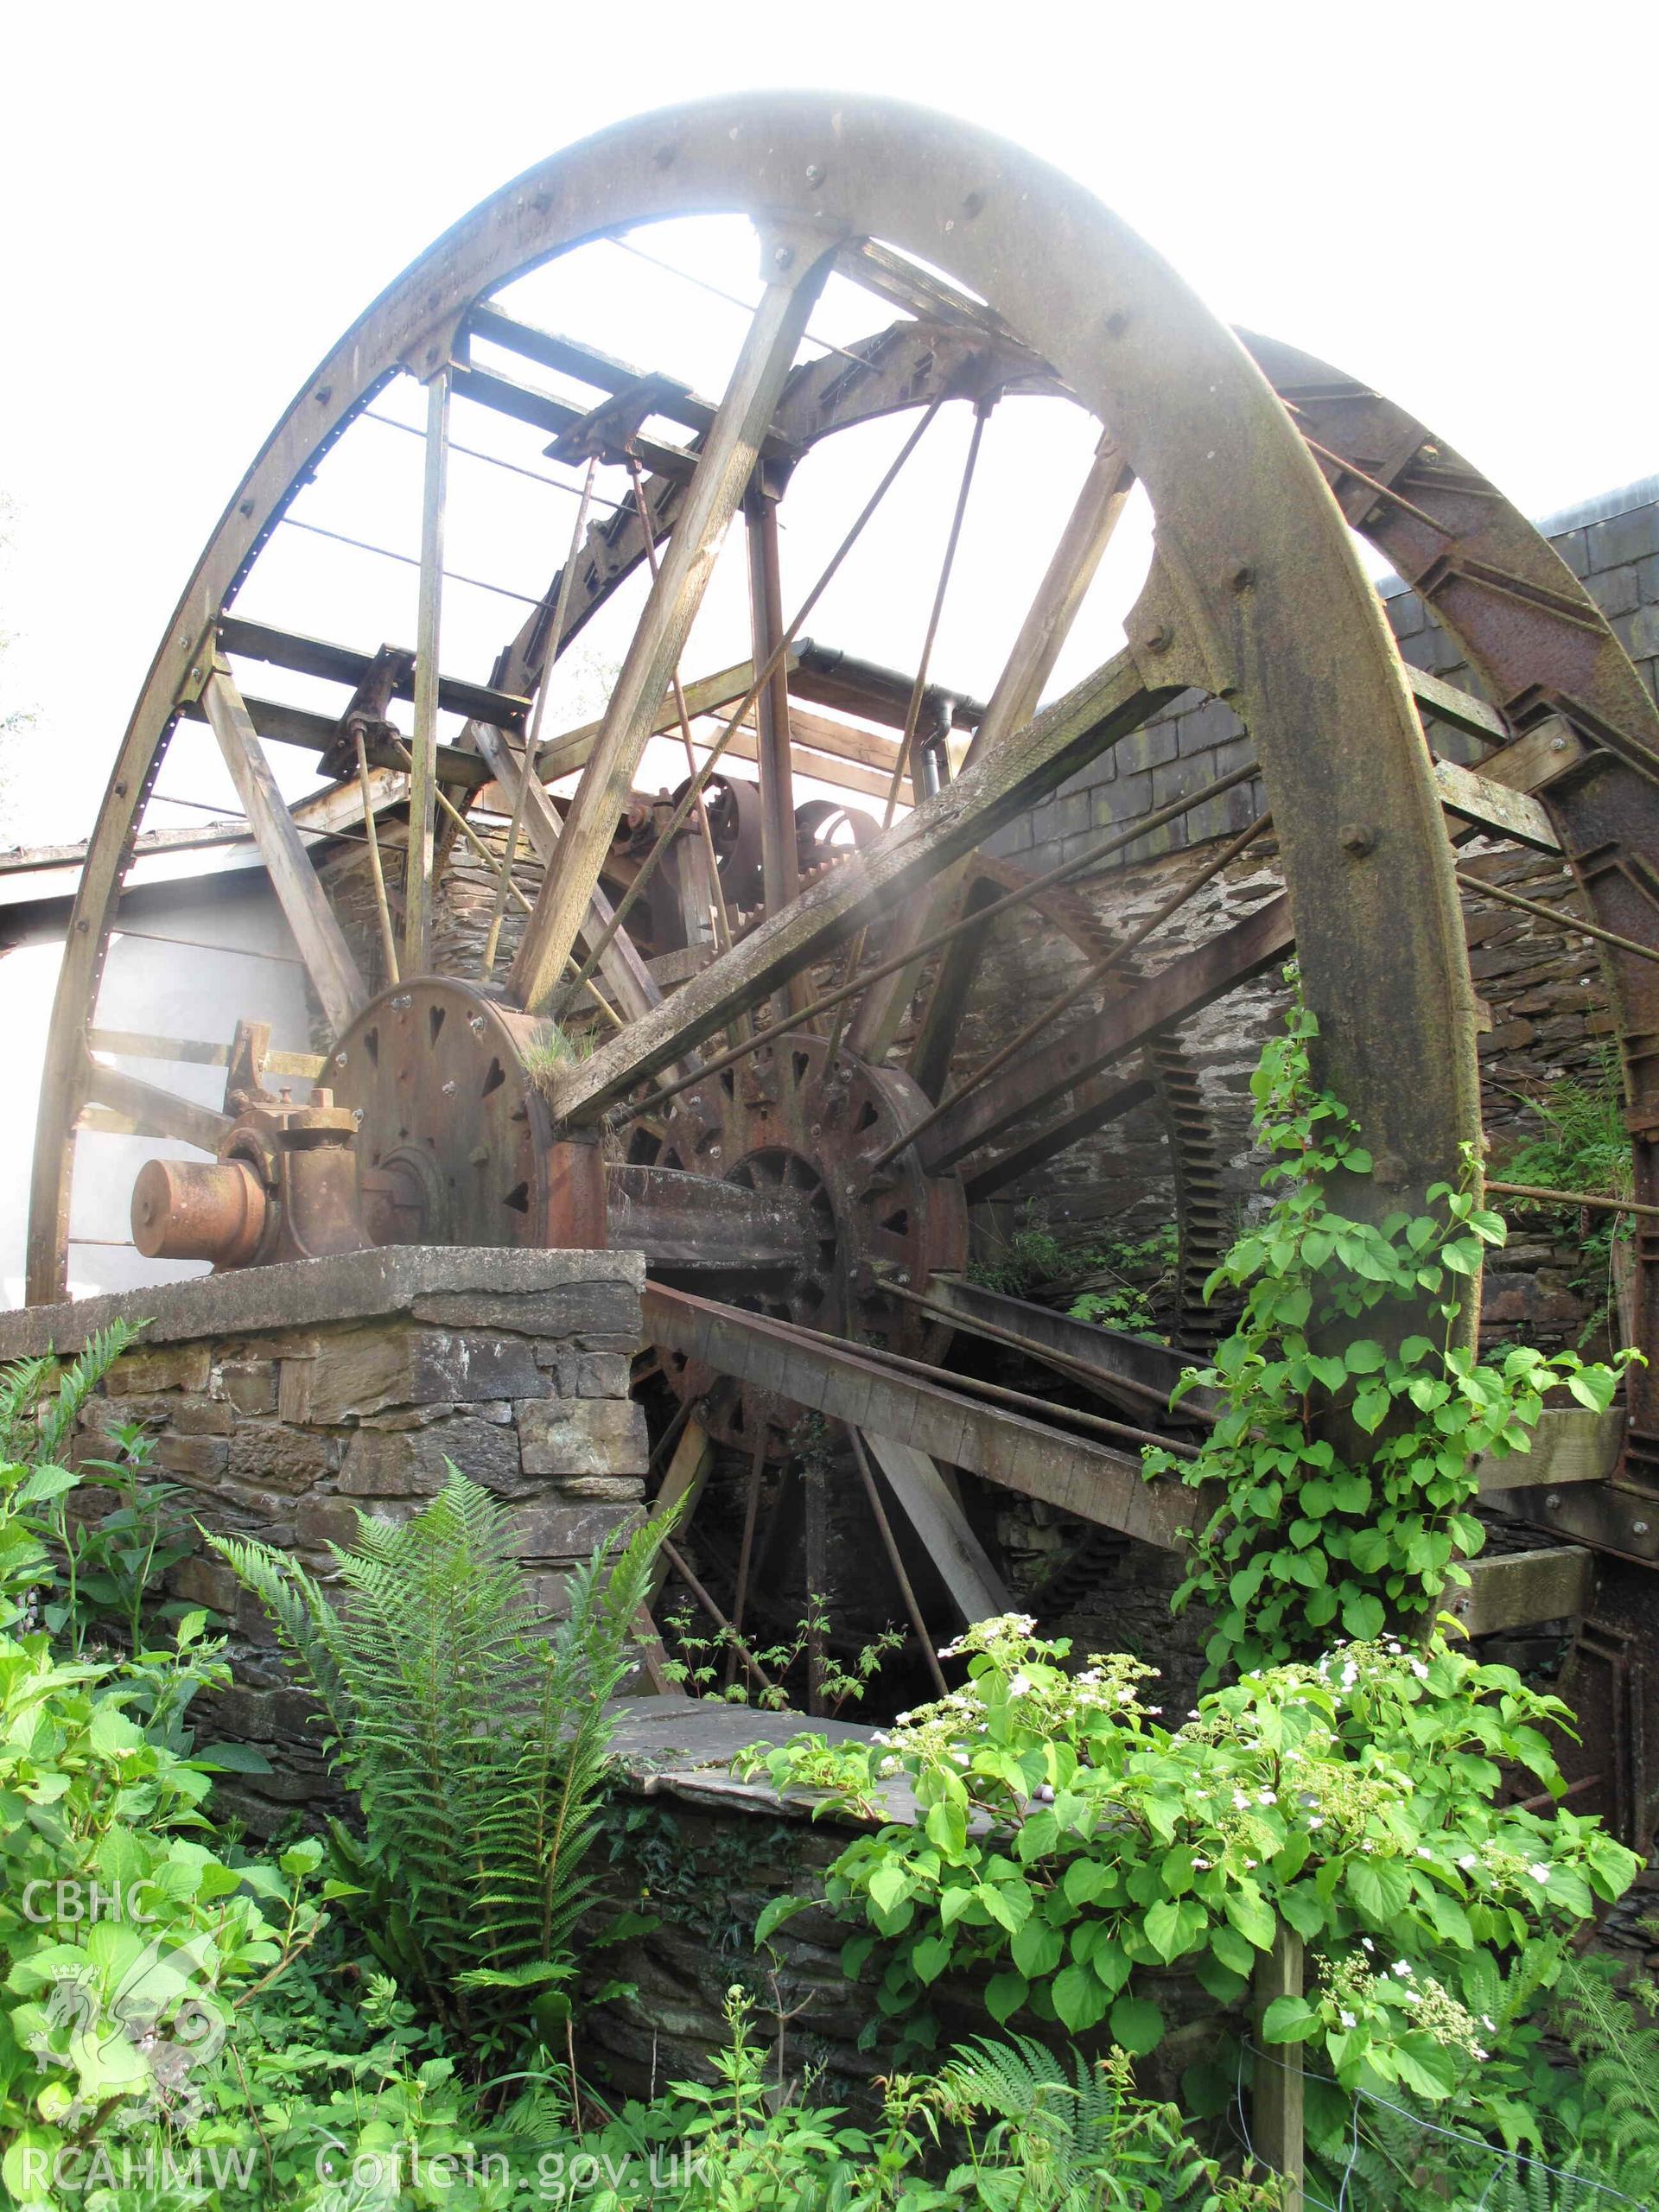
(1455, 203)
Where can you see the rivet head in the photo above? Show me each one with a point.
(1242, 577)
(1639, 1528)
(1159, 639)
(1117, 323)
(973, 203)
(782, 256)
(1357, 839)
(814, 173)
(1553, 1499)
(324, 393)
(1558, 745)
(340, 1059)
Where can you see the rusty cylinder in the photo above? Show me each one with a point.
(182, 1210)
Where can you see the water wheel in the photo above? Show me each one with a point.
(724, 1022)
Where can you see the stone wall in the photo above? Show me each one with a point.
(284, 1401)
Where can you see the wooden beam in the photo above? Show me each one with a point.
(682, 1485)
(1035, 761)
(570, 750)
(629, 983)
(958, 1557)
(1278, 2126)
(724, 467)
(321, 942)
(1494, 807)
(139, 1045)
(1571, 1444)
(1522, 1588)
(1460, 710)
(1089, 1479)
(347, 664)
(420, 855)
(152, 1111)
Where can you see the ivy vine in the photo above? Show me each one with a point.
(1305, 1541)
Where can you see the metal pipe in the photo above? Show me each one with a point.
(878, 1513)
(1564, 921)
(1574, 1198)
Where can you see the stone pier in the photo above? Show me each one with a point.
(285, 1399)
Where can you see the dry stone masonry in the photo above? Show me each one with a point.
(284, 1401)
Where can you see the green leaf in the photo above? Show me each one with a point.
(1079, 2001)
(1137, 2025)
(889, 1885)
(777, 1910)
(947, 1829)
(1252, 1916)
(1038, 1949)
(1363, 1357)
(1004, 1994)
(1234, 1950)
(1362, 1616)
(930, 1957)
(1379, 1887)
(1289, 2019)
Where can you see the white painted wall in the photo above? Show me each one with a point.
(159, 981)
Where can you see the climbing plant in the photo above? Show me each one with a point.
(1342, 1468)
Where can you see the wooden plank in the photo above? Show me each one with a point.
(1277, 2131)
(629, 983)
(543, 412)
(1518, 1589)
(570, 750)
(317, 933)
(1571, 1444)
(421, 853)
(724, 467)
(977, 1589)
(345, 664)
(682, 1485)
(1052, 1066)
(1035, 761)
(1089, 1479)
(1460, 710)
(139, 1045)
(1535, 759)
(1494, 807)
(154, 1112)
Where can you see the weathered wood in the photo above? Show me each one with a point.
(1144, 1373)
(347, 664)
(543, 412)
(1104, 1098)
(1521, 1588)
(724, 466)
(152, 1111)
(1531, 761)
(1088, 1479)
(562, 754)
(1059, 741)
(1457, 708)
(629, 983)
(1277, 2130)
(1494, 807)
(193, 1052)
(1051, 1067)
(977, 1589)
(317, 933)
(1571, 1444)
(682, 1221)
(418, 864)
(682, 1485)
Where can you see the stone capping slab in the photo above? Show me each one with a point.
(677, 1746)
(347, 1287)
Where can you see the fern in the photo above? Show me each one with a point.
(1614, 2035)
(476, 1747)
(35, 1426)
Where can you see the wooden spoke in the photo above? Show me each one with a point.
(1071, 1062)
(723, 470)
(1047, 624)
(424, 777)
(1137, 1374)
(321, 942)
(1112, 702)
(933, 1510)
(780, 873)
(152, 1111)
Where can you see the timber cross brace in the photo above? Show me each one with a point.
(725, 1028)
